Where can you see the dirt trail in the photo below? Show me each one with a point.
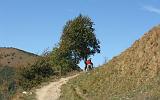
(52, 90)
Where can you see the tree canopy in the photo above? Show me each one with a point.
(79, 39)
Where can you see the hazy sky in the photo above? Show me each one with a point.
(34, 25)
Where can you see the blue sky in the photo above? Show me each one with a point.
(34, 25)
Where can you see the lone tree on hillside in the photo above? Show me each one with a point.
(78, 39)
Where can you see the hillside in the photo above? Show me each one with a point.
(13, 57)
(10, 60)
(133, 75)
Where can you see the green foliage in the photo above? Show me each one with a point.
(62, 61)
(8, 84)
(79, 38)
(35, 74)
(77, 42)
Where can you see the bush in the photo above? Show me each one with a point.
(8, 84)
(62, 61)
(35, 74)
(65, 66)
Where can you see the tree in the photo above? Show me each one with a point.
(62, 61)
(79, 39)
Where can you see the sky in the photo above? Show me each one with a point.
(35, 25)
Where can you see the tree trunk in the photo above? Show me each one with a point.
(85, 59)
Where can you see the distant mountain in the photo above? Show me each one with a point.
(132, 75)
(14, 57)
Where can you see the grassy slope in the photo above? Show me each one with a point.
(102, 84)
(134, 74)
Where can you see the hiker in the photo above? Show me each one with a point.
(89, 65)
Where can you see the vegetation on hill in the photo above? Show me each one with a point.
(134, 74)
(78, 36)
(11, 61)
(8, 82)
(77, 43)
(35, 74)
(62, 62)
(13, 57)
(78, 39)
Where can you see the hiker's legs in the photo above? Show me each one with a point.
(85, 67)
(89, 67)
(92, 66)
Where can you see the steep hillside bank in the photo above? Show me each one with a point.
(134, 74)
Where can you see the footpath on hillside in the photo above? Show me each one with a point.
(52, 91)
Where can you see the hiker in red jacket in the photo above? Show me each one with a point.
(89, 65)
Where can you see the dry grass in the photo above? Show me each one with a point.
(103, 85)
(13, 57)
(133, 75)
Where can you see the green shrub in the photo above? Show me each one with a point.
(62, 61)
(33, 75)
(8, 84)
